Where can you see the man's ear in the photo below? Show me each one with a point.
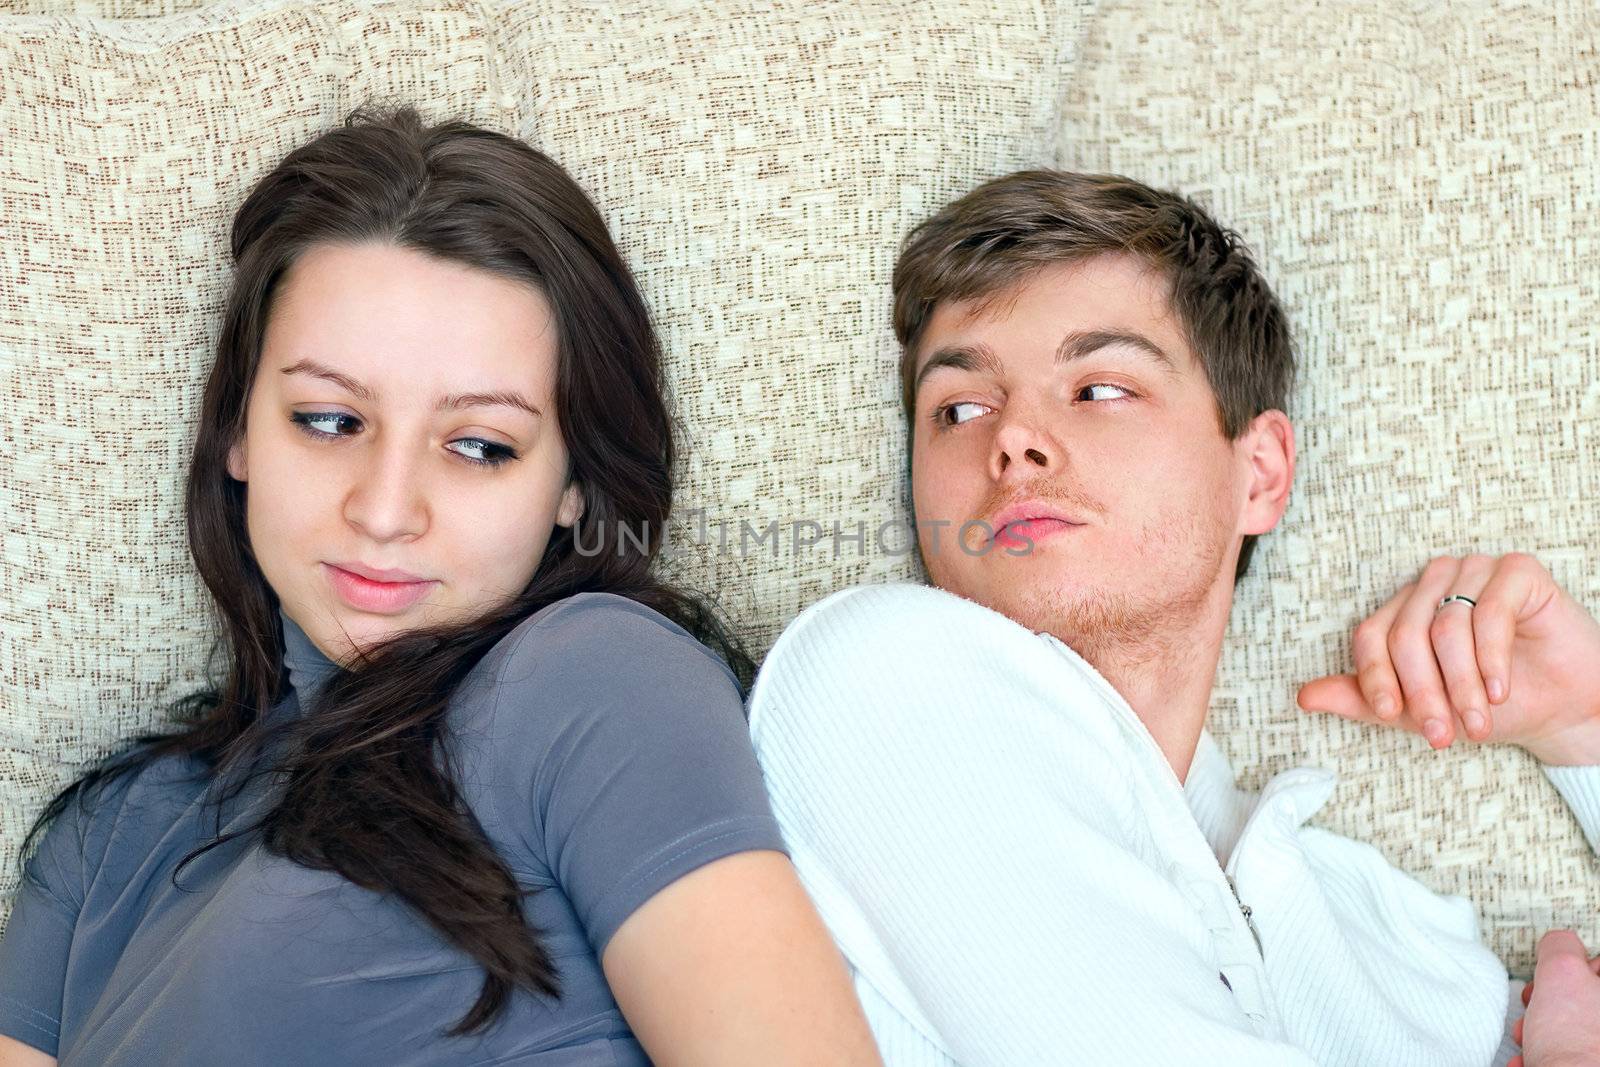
(236, 465)
(1268, 445)
(570, 510)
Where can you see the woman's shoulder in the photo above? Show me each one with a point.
(135, 781)
(589, 657)
(581, 691)
(595, 609)
(602, 632)
(116, 811)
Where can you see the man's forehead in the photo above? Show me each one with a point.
(1079, 308)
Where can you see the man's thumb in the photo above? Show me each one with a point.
(1557, 946)
(1337, 693)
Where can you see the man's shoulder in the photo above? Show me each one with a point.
(903, 690)
(887, 624)
(869, 657)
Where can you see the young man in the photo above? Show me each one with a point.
(1000, 791)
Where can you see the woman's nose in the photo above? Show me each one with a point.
(387, 500)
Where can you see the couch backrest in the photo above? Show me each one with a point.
(757, 164)
(1420, 183)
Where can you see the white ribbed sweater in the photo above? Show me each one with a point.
(1017, 877)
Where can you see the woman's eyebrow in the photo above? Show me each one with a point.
(453, 402)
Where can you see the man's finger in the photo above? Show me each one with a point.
(1494, 621)
(1454, 647)
(1373, 686)
(1411, 650)
(1369, 647)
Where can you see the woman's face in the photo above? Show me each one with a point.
(402, 418)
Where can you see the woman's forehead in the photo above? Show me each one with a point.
(381, 321)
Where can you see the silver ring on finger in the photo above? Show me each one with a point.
(1468, 601)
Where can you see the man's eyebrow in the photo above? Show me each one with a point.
(978, 357)
(453, 402)
(1083, 343)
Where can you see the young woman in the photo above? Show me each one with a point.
(472, 790)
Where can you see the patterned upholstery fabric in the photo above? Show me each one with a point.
(1422, 183)
(1419, 180)
(757, 165)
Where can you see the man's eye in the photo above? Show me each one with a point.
(956, 414)
(1102, 391)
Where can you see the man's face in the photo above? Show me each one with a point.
(1068, 425)
(394, 479)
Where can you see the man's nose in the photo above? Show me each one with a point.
(1022, 448)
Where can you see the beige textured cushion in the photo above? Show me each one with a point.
(127, 148)
(758, 163)
(111, 9)
(1422, 182)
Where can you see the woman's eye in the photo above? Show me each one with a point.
(491, 454)
(958, 413)
(1102, 391)
(488, 454)
(307, 420)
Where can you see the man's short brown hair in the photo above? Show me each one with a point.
(1006, 229)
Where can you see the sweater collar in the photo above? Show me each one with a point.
(309, 668)
(1227, 814)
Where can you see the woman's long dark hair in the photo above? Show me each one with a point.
(366, 789)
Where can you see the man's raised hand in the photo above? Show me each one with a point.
(1522, 665)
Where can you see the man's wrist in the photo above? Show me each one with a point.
(1577, 745)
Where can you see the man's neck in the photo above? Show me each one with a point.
(1170, 694)
(1167, 678)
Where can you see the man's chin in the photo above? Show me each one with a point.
(1086, 620)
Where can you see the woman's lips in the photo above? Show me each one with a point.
(1022, 534)
(383, 598)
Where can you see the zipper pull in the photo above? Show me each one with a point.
(1244, 909)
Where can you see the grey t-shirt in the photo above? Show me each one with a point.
(603, 750)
